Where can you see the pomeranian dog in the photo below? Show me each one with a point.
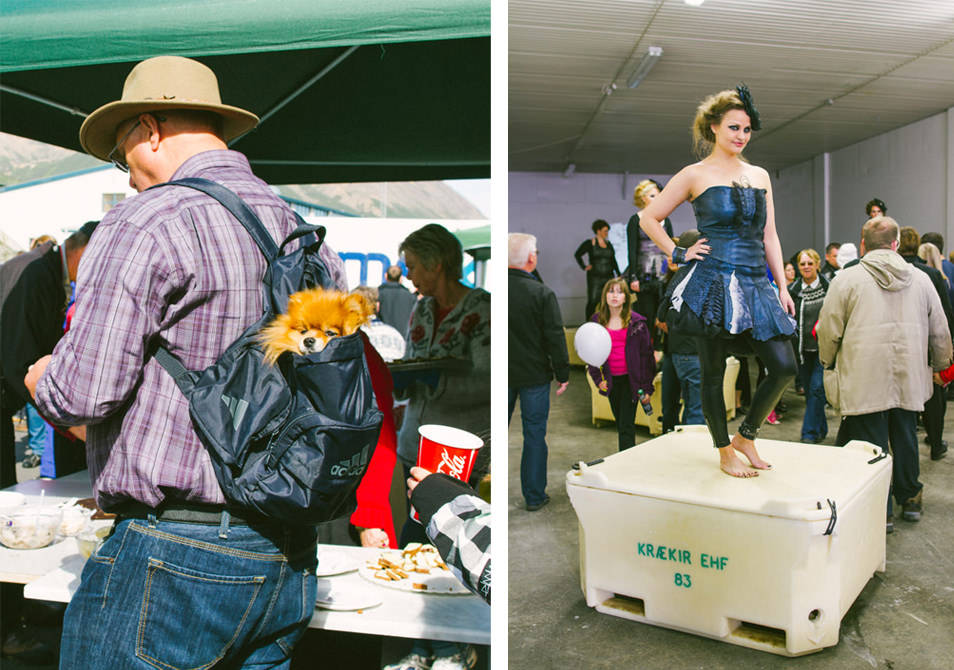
(314, 317)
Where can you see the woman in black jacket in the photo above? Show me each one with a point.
(601, 265)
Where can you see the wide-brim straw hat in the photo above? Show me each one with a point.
(164, 82)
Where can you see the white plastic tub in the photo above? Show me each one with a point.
(772, 563)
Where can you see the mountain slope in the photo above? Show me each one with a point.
(23, 160)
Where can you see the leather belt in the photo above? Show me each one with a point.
(210, 515)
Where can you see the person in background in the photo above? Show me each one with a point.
(646, 266)
(723, 294)
(37, 428)
(847, 256)
(830, 266)
(450, 320)
(946, 267)
(875, 207)
(789, 273)
(808, 292)
(627, 376)
(929, 252)
(536, 354)
(387, 341)
(397, 302)
(601, 263)
(36, 288)
(935, 408)
(882, 330)
(171, 266)
(681, 374)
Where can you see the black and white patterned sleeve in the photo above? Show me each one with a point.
(458, 523)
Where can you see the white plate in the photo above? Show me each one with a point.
(437, 581)
(335, 563)
(345, 598)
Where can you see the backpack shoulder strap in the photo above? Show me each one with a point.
(176, 369)
(239, 209)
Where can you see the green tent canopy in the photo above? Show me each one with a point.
(474, 237)
(347, 91)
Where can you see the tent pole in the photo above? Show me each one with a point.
(294, 94)
(45, 101)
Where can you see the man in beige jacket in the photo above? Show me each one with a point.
(882, 329)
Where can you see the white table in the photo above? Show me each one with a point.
(422, 616)
(53, 573)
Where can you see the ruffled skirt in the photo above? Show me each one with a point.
(715, 299)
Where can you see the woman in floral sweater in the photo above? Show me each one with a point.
(450, 320)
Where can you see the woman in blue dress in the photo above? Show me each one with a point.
(722, 294)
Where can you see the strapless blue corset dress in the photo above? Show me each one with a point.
(728, 291)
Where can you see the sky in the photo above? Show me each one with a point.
(475, 190)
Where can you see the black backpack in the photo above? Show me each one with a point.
(289, 441)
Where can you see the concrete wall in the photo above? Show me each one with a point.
(559, 211)
(822, 200)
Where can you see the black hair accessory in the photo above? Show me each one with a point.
(746, 97)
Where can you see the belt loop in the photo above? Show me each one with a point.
(153, 521)
(224, 526)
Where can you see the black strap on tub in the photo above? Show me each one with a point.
(834, 517)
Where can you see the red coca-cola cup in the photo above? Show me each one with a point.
(448, 450)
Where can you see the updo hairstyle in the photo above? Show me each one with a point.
(642, 188)
(711, 111)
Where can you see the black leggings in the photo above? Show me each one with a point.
(779, 360)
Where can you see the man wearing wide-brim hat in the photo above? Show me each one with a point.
(180, 582)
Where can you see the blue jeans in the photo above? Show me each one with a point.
(534, 411)
(690, 380)
(814, 425)
(180, 595)
(37, 428)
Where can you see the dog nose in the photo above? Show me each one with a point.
(309, 343)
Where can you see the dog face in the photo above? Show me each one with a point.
(314, 317)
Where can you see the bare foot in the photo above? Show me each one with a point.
(747, 449)
(732, 465)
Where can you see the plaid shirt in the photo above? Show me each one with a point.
(169, 266)
(458, 523)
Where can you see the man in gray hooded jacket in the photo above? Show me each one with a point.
(882, 330)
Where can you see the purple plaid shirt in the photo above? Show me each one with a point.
(170, 266)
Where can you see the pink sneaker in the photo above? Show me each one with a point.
(773, 418)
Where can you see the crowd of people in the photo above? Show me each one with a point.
(681, 306)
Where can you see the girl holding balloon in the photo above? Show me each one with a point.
(626, 375)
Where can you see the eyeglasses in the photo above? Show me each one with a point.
(120, 163)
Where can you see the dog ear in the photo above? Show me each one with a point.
(359, 312)
(275, 338)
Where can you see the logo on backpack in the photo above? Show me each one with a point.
(237, 408)
(353, 466)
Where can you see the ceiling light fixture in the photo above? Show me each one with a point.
(645, 65)
(695, 3)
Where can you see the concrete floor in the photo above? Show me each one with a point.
(902, 620)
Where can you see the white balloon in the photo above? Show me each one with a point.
(592, 343)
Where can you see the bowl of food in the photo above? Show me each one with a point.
(75, 519)
(29, 526)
